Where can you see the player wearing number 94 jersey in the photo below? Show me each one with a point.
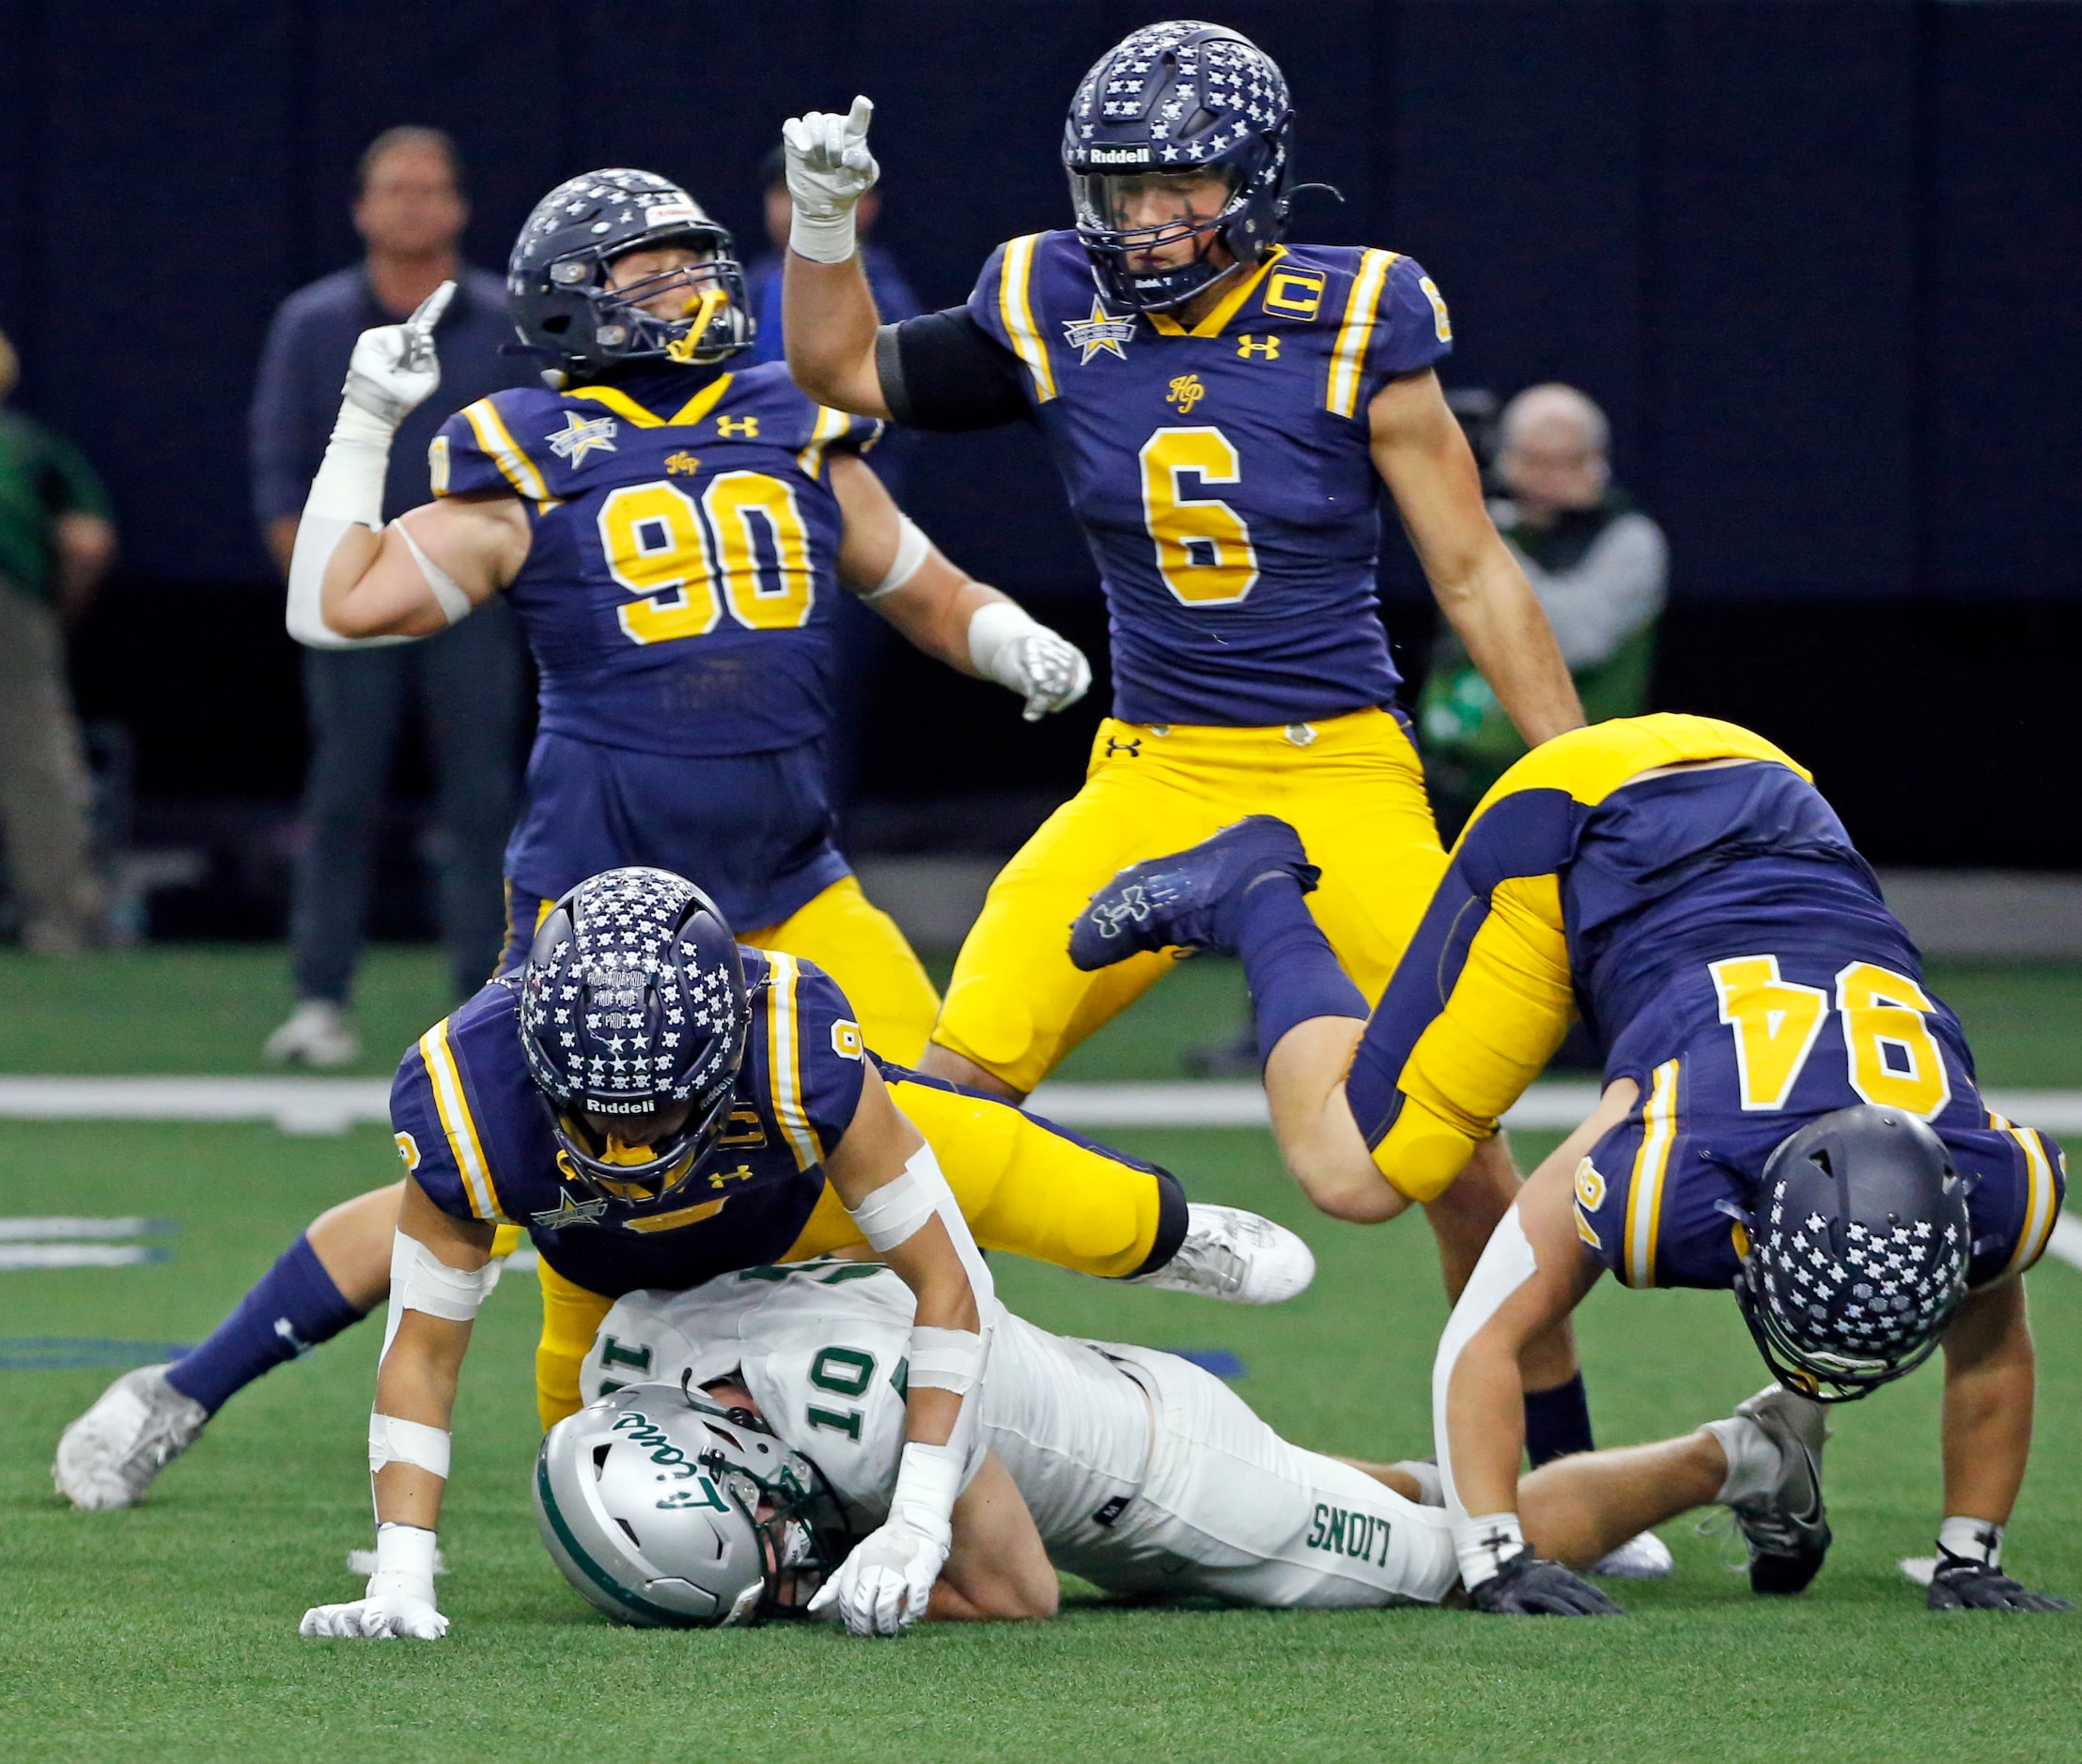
(1788, 1113)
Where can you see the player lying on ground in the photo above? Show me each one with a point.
(1788, 1113)
(488, 1110)
(1134, 1468)
(1224, 407)
(674, 533)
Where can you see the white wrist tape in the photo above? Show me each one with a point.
(821, 238)
(1977, 1539)
(404, 1563)
(347, 492)
(995, 630)
(1484, 1545)
(453, 602)
(1506, 1265)
(912, 549)
(947, 1359)
(928, 1480)
(394, 1441)
(421, 1281)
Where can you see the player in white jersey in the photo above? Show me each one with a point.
(1142, 1471)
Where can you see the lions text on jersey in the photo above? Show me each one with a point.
(1731, 954)
(1222, 473)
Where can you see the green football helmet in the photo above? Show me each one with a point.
(668, 1512)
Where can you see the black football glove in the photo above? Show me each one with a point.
(1962, 1583)
(1527, 1587)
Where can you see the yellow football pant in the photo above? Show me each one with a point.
(1462, 1047)
(1351, 786)
(851, 939)
(1022, 1187)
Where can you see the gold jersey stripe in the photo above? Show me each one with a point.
(452, 1106)
(1016, 309)
(1348, 356)
(621, 404)
(830, 425)
(1644, 1196)
(495, 438)
(674, 1220)
(784, 1061)
(704, 401)
(2040, 1205)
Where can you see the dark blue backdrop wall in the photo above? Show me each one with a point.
(1819, 260)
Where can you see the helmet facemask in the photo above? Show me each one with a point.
(1124, 219)
(708, 324)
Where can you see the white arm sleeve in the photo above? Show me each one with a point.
(347, 492)
(1616, 589)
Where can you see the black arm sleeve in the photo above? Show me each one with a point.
(944, 371)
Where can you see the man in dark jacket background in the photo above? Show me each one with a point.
(468, 682)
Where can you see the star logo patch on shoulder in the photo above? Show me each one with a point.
(569, 1213)
(1103, 330)
(581, 436)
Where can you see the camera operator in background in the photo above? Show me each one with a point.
(468, 681)
(56, 541)
(1600, 568)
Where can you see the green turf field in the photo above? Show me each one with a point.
(170, 1630)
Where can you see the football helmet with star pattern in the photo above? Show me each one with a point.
(1856, 1257)
(1179, 97)
(634, 1000)
(557, 283)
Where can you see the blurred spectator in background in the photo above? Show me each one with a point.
(468, 681)
(56, 541)
(1600, 568)
(894, 298)
(859, 640)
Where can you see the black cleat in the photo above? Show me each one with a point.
(1185, 900)
(1788, 1529)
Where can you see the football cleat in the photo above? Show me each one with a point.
(140, 1424)
(1643, 1556)
(317, 1033)
(1787, 1531)
(1235, 1255)
(1188, 898)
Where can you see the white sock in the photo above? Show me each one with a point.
(1753, 1462)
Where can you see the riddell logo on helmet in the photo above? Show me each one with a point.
(1119, 156)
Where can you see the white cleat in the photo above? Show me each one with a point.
(1643, 1556)
(317, 1034)
(1235, 1256)
(109, 1456)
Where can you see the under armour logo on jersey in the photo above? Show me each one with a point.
(1186, 392)
(738, 427)
(682, 464)
(581, 436)
(1101, 333)
(1132, 748)
(1258, 349)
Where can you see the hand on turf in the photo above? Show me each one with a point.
(1962, 1583)
(1527, 1587)
(883, 1588)
(393, 369)
(829, 167)
(1048, 670)
(380, 1617)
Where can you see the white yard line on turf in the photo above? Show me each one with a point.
(19, 1257)
(323, 1105)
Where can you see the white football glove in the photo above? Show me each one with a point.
(828, 169)
(1045, 668)
(393, 369)
(884, 1587)
(398, 1599)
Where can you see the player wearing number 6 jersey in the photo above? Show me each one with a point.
(1788, 1112)
(1224, 408)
